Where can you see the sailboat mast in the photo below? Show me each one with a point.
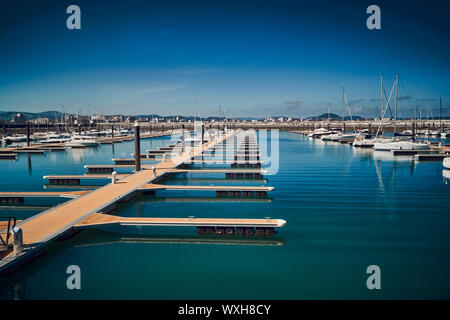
(381, 97)
(195, 106)
(396, 102)
(440, 112)
(343, 110)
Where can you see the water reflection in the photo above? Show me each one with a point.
(389, 156)
(77, 154)
(104, 237)
(29, 164)
(363, 153)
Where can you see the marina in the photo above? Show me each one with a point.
(189, 153)
(55, 222)
(341, 167)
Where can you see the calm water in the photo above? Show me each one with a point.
(345, 209)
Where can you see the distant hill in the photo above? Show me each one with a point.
(7, 115)
(334, 116)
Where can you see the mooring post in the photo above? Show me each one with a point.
(112, 132)
(28, 135)
(182, 138)
(137, 147)
(79, 129)
(203, 134)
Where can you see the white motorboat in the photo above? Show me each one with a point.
(318, 133)
(363, 142)
(368, 141)
(435, 133)
(329, 136)
(78, 141)
(14, 139)
(54, 138)
(401, 145)
(340, 136)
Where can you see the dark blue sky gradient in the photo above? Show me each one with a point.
(255, 58)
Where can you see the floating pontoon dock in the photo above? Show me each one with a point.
(91, 207)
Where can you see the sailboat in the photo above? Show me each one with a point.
(342, 135)
(367, 140)
(196, 137)
(399, 144)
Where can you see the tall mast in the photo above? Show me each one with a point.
(396, 102)
(343, 110)
(381, 99)
(440, 112)
(195, 106)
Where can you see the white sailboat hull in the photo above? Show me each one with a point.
(400, 145)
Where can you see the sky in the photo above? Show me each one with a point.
(253, 58)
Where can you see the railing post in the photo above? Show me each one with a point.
(17, 240)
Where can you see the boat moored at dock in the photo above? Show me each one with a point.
(78, 141)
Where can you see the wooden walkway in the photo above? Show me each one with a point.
(86, 207)
(152, 186)
(104, 219)
(218, 170)
(85, 176)
(62, 194)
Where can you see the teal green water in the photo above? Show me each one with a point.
(345, 209)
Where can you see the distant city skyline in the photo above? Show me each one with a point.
(255, 59)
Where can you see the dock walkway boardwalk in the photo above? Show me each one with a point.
(62, 194)
(43, 227)
(102, 219)
(152, 186)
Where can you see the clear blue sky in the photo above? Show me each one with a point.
(255, 58)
